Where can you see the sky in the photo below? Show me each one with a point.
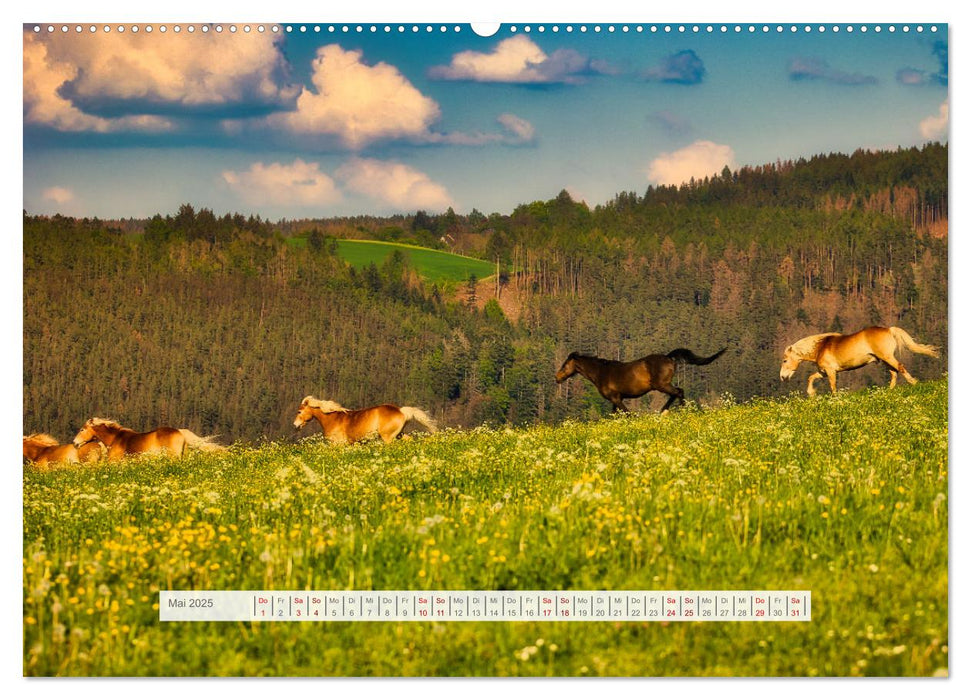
(313, 121)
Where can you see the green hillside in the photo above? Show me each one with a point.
(845, 496)
(433, 265)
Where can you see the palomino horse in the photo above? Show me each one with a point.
(124, 441)
(617, 381)
(41, 449)
(834, 352)
(344, 426)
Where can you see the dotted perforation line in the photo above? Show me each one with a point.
(513, 29)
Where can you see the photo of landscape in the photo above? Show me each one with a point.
(598, 284)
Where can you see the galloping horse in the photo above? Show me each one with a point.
(41, 449)
(834, 352)
(122, 441)
(343, 426)
(617, 381)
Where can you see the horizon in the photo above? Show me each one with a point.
(410, 214)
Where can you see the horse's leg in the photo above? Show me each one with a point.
(810, 389)
(907, 375)
(392, 428)
(895, 367)
(831, 375)
(674, 393)
(615, 398)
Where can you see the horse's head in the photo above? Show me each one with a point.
(568, 369)
(304, 414)
(86, 434)
(790, 361)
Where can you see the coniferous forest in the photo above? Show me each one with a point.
(222, 323)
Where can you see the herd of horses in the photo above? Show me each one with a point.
(616, 381)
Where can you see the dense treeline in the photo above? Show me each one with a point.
(221, 324)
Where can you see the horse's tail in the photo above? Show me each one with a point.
(685, 355)
(205, 444)
(412, 413)
(903, 338)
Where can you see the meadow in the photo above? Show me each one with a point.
(842, 495)
(433, 265)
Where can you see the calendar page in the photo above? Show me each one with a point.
(556, 349)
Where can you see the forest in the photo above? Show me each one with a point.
(222, 323)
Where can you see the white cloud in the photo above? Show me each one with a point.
(935, 126)
(44, 76)
(517, 131)
(358, 103)
(297, 183)
(517, 60)
(395, 184)
(518, 126)
(700, 159)
(80, 82)
(58, 195)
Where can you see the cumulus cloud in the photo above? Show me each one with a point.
(58, 195)
(297, 183)
(112, 82)
(44, 76)
(700, 159)
(396, 185)
(811, 68)
(935, 126)
(358, 103)
(683, 68)
(519, 60)
(915, 76)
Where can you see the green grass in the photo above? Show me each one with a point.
(434, 265)
(845, 496)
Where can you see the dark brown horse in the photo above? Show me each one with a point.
(617, 381)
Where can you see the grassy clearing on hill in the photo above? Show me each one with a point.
(434, 265)
(845, 496)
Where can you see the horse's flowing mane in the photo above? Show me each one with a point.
(41, 439)
(107, 422)
(807, 347)
(323, 406)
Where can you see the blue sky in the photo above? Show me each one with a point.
(331, 123)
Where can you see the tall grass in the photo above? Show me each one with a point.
(845, 496)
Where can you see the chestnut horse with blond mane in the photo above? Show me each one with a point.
(835, 352)
(42, 449)
(344, 426)
(122, 441)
